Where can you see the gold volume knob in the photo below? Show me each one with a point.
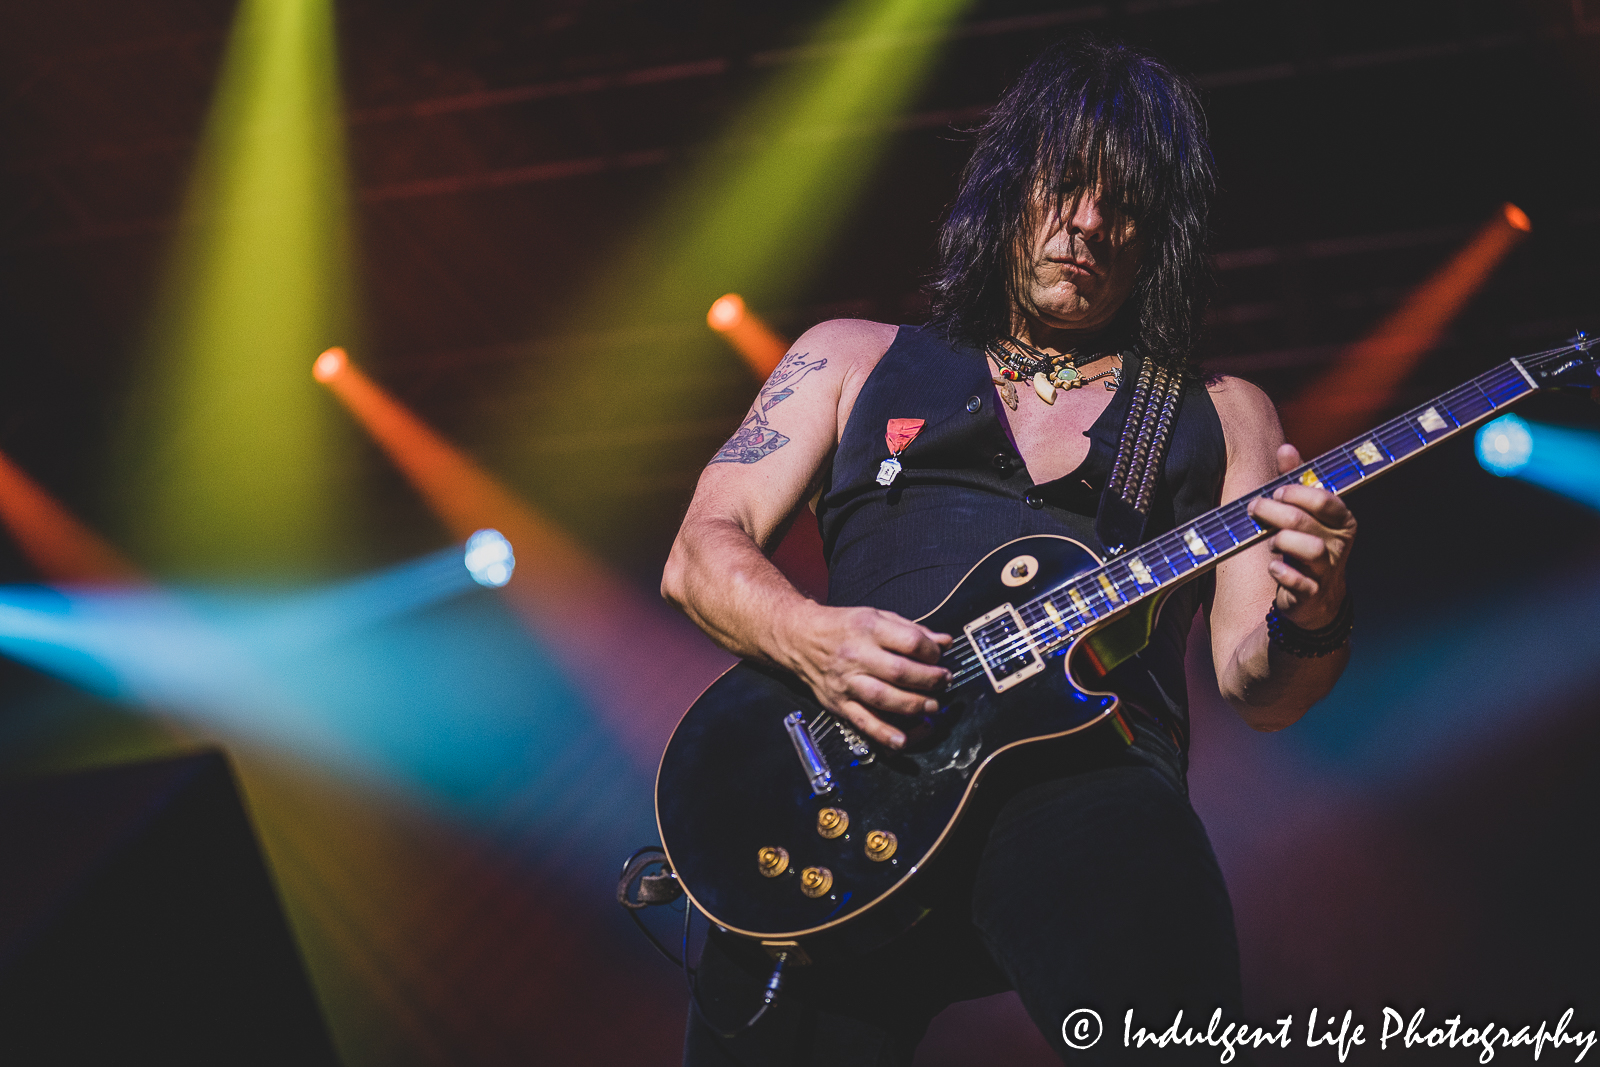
(881, 845)
(831, 822)
(816, 881)
(772, 862)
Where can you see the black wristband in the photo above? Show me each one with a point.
(1312, 644)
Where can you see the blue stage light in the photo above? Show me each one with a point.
(489, 559)
(1505, 446)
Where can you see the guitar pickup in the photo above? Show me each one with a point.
(1005, 647)
(811, 761)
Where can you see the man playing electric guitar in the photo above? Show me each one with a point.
(1057, 362)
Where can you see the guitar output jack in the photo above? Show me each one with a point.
(881, 845)
(832, 822)
(772, 861)
(816, 881)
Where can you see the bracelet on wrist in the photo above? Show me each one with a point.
(1312, 644)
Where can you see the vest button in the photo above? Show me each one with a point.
(974, 403)
(1034, 500)
(1002, 462)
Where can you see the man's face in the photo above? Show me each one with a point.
(1079, 264)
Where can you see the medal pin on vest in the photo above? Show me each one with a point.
(901, 433)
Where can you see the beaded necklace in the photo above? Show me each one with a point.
(1048, 373)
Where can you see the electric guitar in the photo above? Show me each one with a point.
(787, 827)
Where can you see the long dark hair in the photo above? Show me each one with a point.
(1098, 112)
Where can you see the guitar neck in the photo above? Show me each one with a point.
(1184, 553)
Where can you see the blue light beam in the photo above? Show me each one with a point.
(285, 670)
(1561, 460)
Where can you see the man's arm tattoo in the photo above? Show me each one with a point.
(755, 440)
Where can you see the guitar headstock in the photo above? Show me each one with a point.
(1576, 366)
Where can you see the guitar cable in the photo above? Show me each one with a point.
(659, 888)
(768, 995)
(663, 888)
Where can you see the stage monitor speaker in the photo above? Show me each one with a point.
(139, 925)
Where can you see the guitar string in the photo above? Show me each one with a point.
(968, 662)
(1215, 523)
(1218, 522)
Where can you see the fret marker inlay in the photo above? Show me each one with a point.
(1430, 421)
(1141, 573)
(1197, 545)
(1369, 455)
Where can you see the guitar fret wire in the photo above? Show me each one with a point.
(1397, 439)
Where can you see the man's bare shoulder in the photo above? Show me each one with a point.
(1247, 414)
(853, 348)
(853, 345)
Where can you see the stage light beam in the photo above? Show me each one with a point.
(1557, 458)
(229, 447)
(61, 547)
(760, 211)
(1351, 394)
(754, 214)
(752, 338)
(638, 662)
(1504, 445)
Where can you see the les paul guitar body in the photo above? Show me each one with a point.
(769, 849)
(786, 827)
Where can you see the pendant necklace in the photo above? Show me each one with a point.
(1048, 373)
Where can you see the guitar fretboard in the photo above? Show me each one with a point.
(1056, 617)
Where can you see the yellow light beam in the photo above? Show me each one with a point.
(763, 205)
(755, 214)
(229, 443)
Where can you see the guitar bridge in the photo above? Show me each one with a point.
(1005, 647)
(811, 761)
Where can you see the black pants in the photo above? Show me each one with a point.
(1098, 890)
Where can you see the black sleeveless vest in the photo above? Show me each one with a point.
(964, 490)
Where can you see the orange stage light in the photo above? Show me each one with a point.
(726, 312)
(1351, 395)
(329, 364)
(54, 541)
(753, 339)
(639, 662)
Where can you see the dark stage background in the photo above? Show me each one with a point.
(446, 821)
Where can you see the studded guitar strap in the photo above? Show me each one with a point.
(1141, 452)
